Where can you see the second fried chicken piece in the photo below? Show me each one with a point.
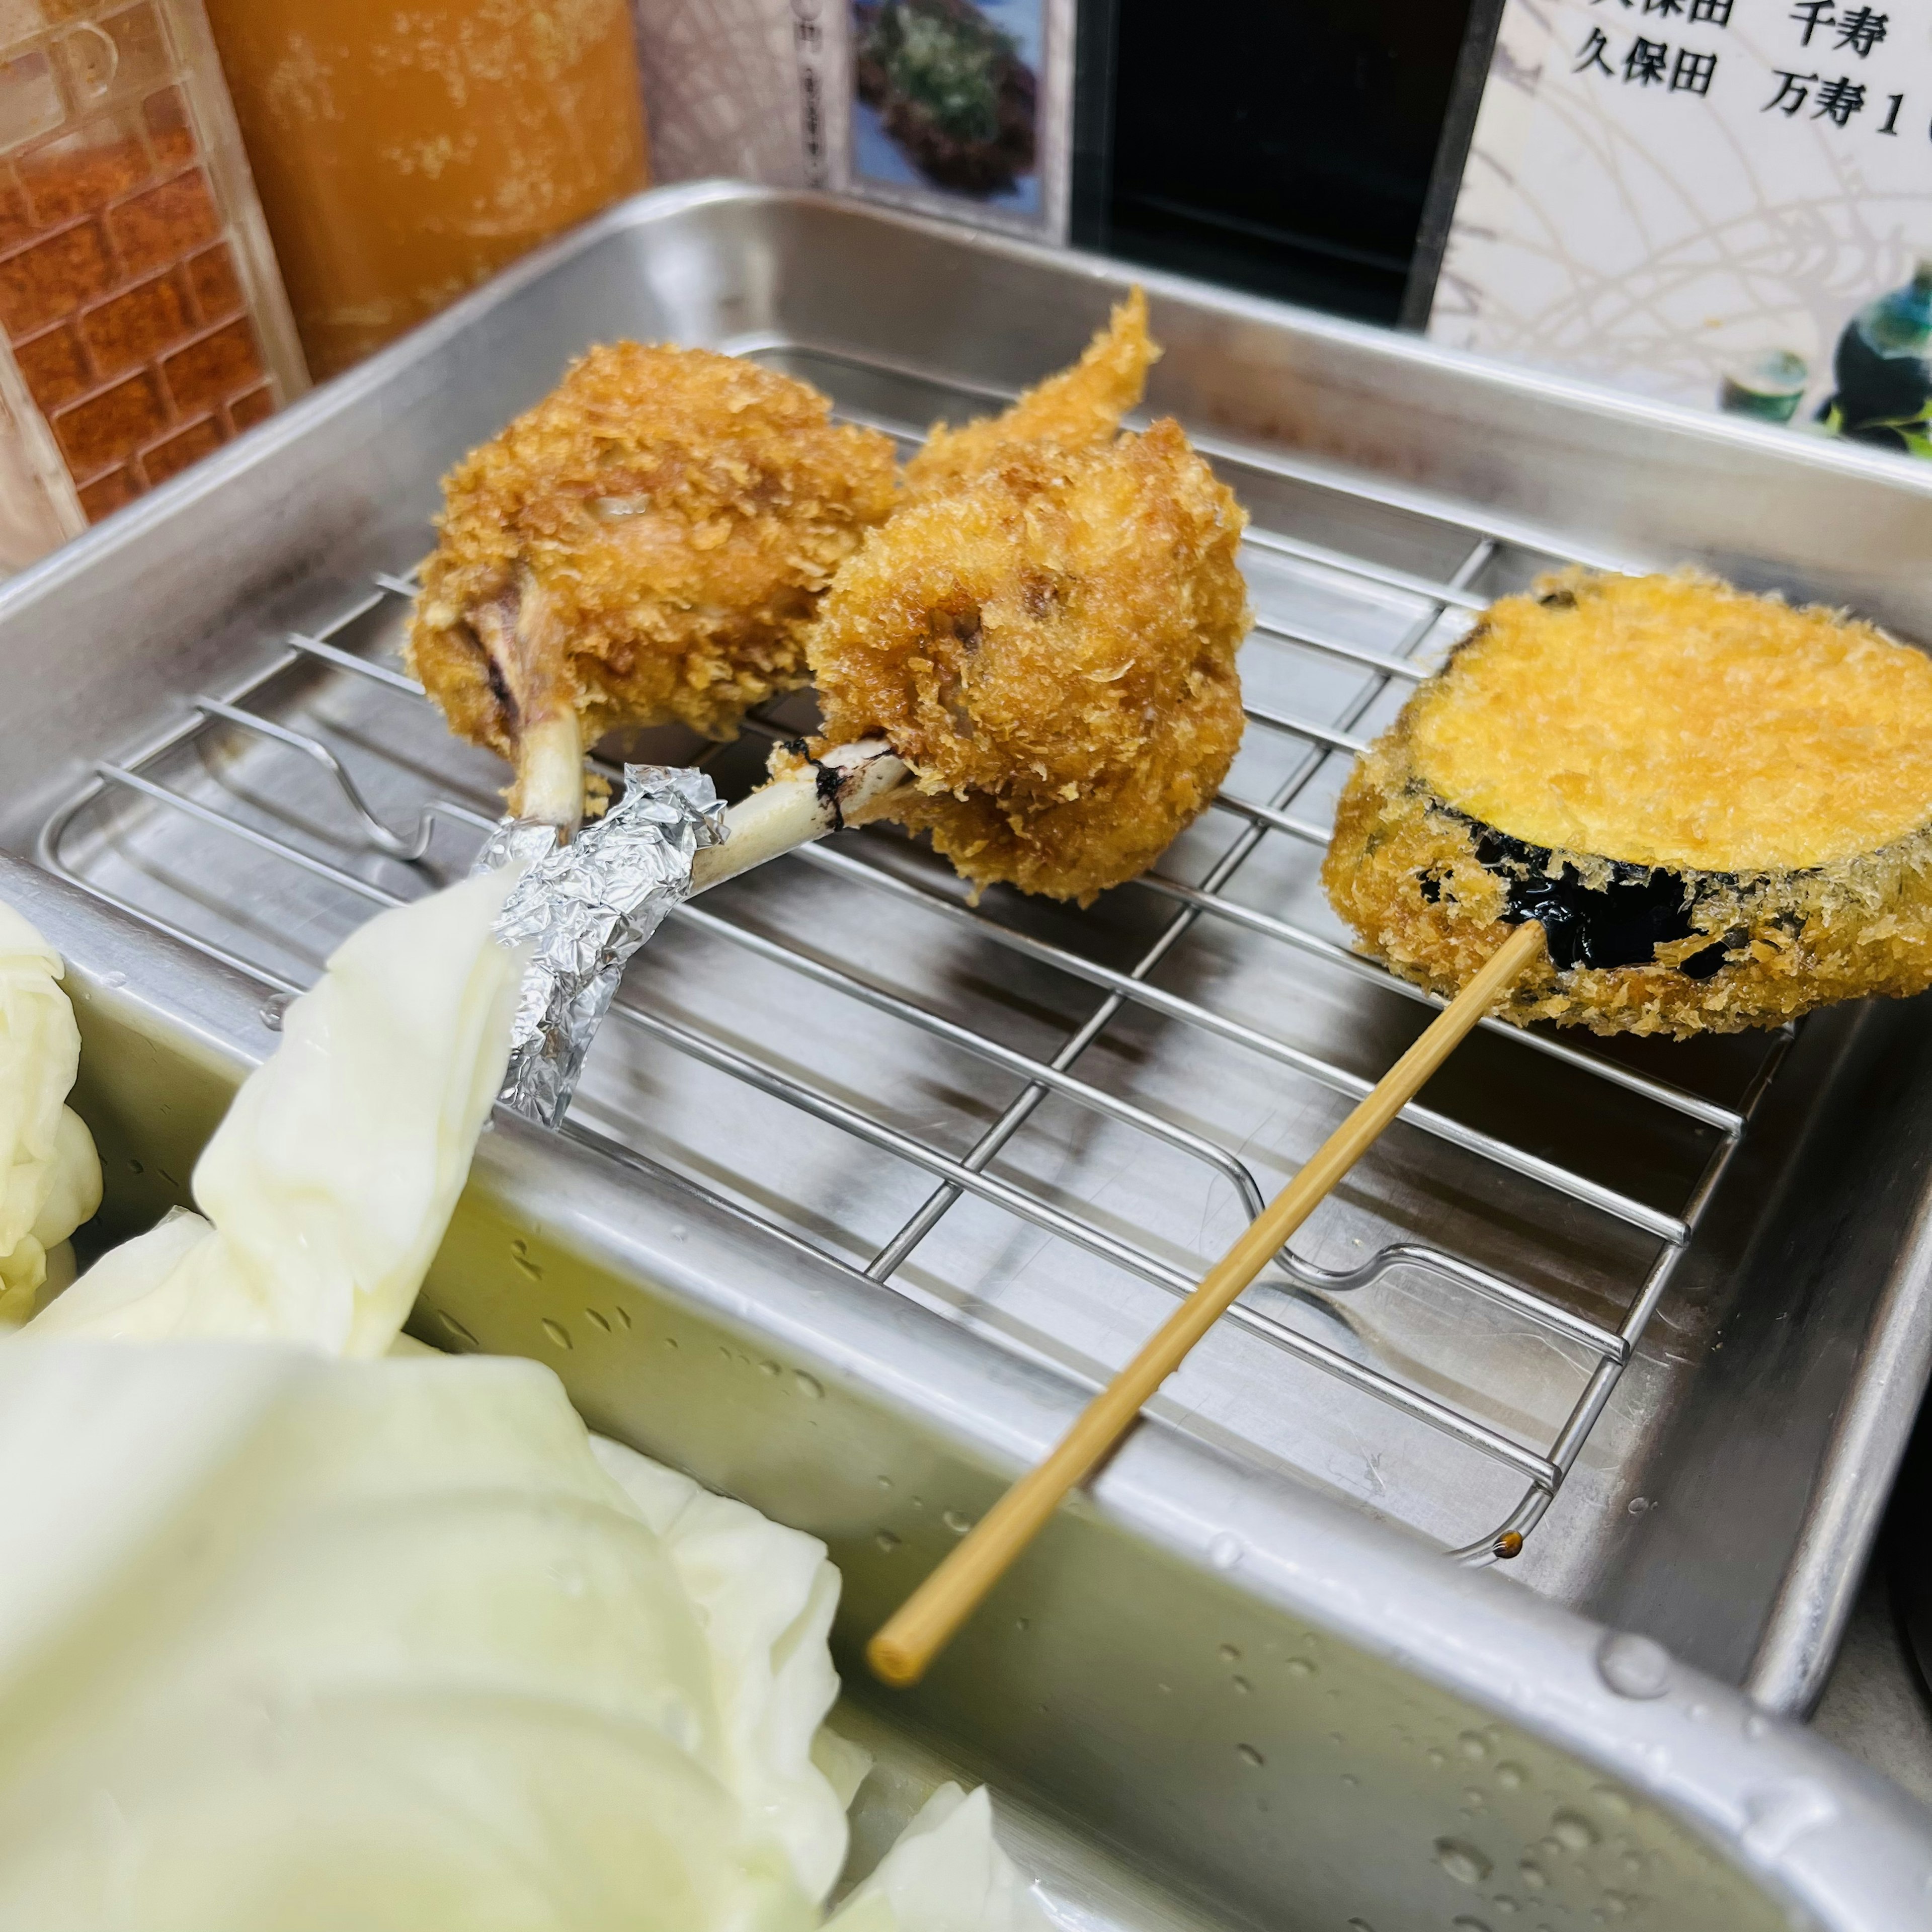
(646, 545)
(1050, 648)
(1080, 408)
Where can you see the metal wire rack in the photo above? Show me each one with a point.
(72, 840)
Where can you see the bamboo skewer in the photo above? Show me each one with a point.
(846, 786)
(926, 1621)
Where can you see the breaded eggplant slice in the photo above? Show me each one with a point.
(1719, 807)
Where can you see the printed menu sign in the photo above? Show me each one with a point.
(1722, 202)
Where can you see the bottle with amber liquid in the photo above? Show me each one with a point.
(142, 325)
(405, 152)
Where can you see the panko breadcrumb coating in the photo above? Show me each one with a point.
(646, 545)
(1080, 408)
(1720, 806)
(1050, 647)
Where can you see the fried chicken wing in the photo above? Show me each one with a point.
(1078, 409)
(647, 544)
(1049, 646)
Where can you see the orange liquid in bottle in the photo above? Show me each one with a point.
(404, 150)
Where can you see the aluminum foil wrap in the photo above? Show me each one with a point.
(585, 908)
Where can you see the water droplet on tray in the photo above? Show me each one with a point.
(1462, 1861)
(1573, 1831)
(1464, 1923)
(455, 1326)
(1241, 1686)
(557, 1333)
(1779, 1814)
(1225, 1550)
(1511, 1776)
(602, 1320)
(1299, 1666)
(887, 1541)
(1472, 1744)
(1229, 1653)
(1249, 1755)
(1633, 1666)
(810, 1386)
(957, 1521)
(1533, 1876)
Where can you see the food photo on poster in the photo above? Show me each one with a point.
(946, 93)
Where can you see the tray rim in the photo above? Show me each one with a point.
(1794, 1651)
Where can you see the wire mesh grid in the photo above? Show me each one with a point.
(148, 831)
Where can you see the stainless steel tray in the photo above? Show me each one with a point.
(1207, 1698)
(1574, 1274)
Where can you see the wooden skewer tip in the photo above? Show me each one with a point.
(906, 1644)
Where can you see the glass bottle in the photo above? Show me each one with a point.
(405, 152)
(1883, 365)
(142, 324)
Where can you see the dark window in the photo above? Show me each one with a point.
(1285, 146)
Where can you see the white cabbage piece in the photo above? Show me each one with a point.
(49, 1173)
(766, 1595)
(946, 1874)
(291, 1643)
(328, 1186)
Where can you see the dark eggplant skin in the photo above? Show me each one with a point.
(1621, 923)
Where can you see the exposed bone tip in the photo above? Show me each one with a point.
(550, 774)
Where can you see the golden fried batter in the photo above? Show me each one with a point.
(646, 545)
(1720, 806)
(1080, 408)
(1050, 648)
